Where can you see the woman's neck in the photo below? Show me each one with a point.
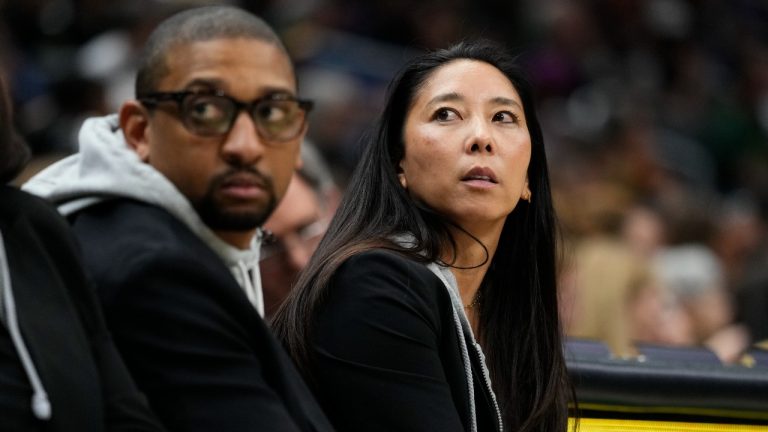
(469, 254)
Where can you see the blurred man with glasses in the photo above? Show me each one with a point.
(167, 199)
(296, 226)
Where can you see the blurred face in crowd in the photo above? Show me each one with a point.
(467, 146)
(297, 225)
(232, 172)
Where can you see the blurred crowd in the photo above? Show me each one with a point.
(655, 115)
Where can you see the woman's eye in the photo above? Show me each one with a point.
(445, 114)
(505, 117)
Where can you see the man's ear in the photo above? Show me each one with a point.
(134, 121)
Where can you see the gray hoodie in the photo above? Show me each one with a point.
(106, 167)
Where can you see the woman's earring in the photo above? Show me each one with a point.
(403, 182)
(526, 195)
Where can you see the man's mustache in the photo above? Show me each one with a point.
(244, 175)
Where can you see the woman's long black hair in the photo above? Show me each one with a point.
(519, 325)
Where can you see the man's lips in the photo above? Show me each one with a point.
(244, 186)
(480, 176)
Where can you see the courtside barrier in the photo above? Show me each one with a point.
(667, 389)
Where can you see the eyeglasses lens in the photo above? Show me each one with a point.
(278, 120)
(208, 115)
(212, 115)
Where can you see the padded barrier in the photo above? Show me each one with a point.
(609, 425)
(665, 383)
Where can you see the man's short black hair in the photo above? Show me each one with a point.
(196, 25)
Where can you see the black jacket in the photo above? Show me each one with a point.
(62, 327)
(194, 343)
(386, 353)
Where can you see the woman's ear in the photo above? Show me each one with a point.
(134, 121)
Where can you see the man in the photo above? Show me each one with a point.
(167, 200)
(297, 225)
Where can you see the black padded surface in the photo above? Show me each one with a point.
(665, 379)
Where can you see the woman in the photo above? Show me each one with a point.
(59, 370)
(445, 236)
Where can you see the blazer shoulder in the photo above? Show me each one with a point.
(384, 260)
(384, 274)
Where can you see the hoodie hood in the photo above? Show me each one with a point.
(106, 167)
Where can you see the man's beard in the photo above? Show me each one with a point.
(213, 214)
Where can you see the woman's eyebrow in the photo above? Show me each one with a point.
(453, 97)
(445, 97)
(500, 100)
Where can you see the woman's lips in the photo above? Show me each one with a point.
(480, 177)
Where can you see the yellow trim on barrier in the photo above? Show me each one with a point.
(735, 414)
(612, 425)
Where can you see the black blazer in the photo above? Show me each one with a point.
(385, 351)
(189, 335)
(61, 323)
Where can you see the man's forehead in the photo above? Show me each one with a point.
(222, 62)
(216, 83)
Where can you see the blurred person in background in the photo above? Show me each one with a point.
(741, 243)
(296, 226)
(609, 286)
(617, 300)
(693, 276)
(690, 266)
(59, 369)
(751, 293)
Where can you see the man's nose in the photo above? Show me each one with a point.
(243, 144)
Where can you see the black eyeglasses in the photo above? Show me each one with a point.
(278, 117)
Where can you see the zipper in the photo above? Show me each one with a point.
(487, 380)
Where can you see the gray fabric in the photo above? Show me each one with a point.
(450, 284)
(463, 327)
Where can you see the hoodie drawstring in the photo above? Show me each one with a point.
(250, 279)
(41, 406)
